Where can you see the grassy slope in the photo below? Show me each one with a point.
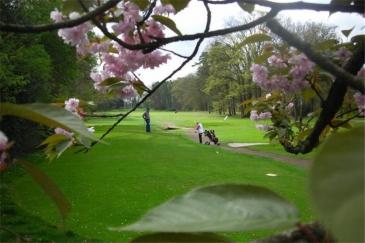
(115, 184)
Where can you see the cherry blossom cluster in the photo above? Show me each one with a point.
(72, 105)
(116, 60)
(294, 80)
(360, 98)
(254, 116)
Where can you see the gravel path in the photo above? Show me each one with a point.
(245, 150)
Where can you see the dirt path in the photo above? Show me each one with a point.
(302, 162)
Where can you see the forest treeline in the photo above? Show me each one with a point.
(223, 81)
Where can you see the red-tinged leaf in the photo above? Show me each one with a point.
(49, 187)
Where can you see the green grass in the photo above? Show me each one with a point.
(115, 184)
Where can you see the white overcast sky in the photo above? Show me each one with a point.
(192, 20)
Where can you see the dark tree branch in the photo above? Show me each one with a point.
(346, 112)
(148, 13)
(301, 5)
(321, 61)
(175, 53)
(346, 121)
(17, 28)
(195, 51)
(102, 115)
(331, 106)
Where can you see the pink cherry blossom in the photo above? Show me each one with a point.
(62, 131)
(259, 74)
(254, 116)
(276, 61)
(360, 102)
(265, 115)
(343, 54)
(56, 16)
(289, 106)
(128, 92)
(72, 104)
(361, 73)
(164, 9)
(3, 141)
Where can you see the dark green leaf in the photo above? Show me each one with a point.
(256, 38)
(48, 115)
(337, 185)
(263, 57)
(74, 6)
(177, 4)
(49, 187)
(226, 207)
(248, 7)
(339, 2)
(169, 23)
(358, 39)
(180, 237)
(347, 32)
(142, 4)
(327, 44)
(110, 81)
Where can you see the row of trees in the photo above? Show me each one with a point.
(32, 69)
(223, 81)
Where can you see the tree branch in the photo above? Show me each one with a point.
(301, 5)
(321, 61)
(195, 51)
(17, 28)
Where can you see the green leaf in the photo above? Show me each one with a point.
(55, 139)
(177, 4)
(358, 39)
(139, 86)
(49, 187)
(248, 7)
(142, 4)
(49, 115)
(110, 81)
(180, 237)
(326, 45)
(256, 38)
(169, 23)
(347, 32)
(74, 6)
(263, 57)
(339, 2)
(225, 207)
(337, 185)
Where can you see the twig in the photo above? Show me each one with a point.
(18, 28)
(102, 115)
(346, 121)
(346, 112)
(175, 53)
(321, 61)
(301, 5)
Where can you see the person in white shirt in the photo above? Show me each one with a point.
(199, 128)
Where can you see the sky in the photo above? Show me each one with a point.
(192, 20)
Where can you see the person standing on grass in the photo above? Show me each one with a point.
(200, 130)
(146, 117)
